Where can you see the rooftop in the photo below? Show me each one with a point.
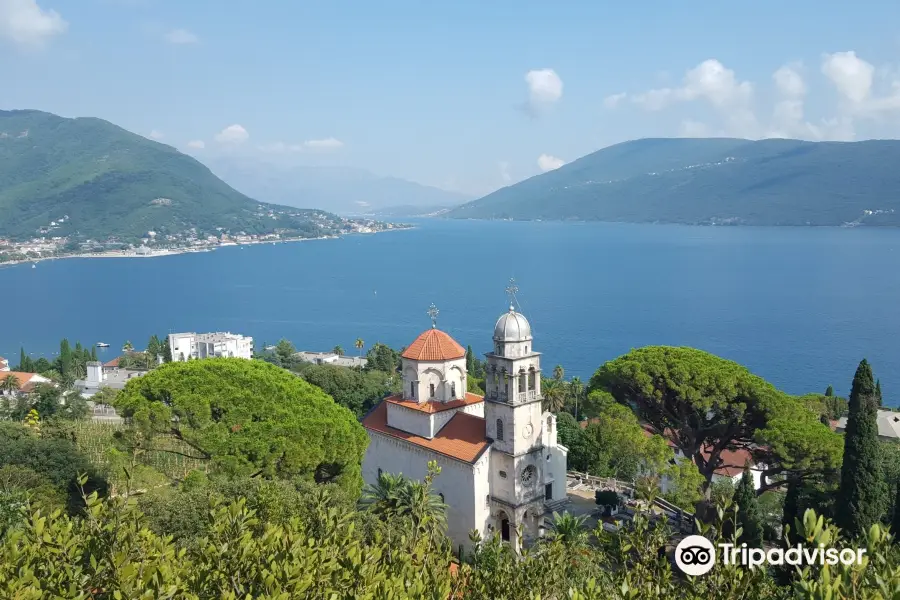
(434, 345)
(435, 406)
(888, 424)
(462, 438)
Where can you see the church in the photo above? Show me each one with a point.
(502, 470)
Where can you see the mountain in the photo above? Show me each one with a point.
(95, 180)
(712, 181)
(342, 190)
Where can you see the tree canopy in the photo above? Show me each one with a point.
(249, 417)
(706, 405)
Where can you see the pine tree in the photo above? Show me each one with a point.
(167, 351)
(829, 391)
(878, 392)
(862, 497)
(748, 511)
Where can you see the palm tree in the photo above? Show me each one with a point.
(10, 384)
(128, 347)
(338, 350)
(558, 373)
(569, 529)
(554, 392)
(577, 388)
(360, 344)
(383, 497)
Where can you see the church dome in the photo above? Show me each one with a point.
(434, 345)
(512, 327)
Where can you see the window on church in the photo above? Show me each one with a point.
(532, 378)
(522, 381)
(453, 389)
(526, 349)
(431, 389)
(502, 474)
(487, 501)
(412, 390)
(500, 429)
(550, 424)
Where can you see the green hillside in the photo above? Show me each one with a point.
(705, 181)
(113, 183)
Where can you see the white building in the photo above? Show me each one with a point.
(209, 345)
(4, 364)
(502, 469)
(888, 422)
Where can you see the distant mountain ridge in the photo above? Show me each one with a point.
(712, 181)
(86, 178)
(344, 190)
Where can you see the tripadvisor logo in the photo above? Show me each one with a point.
(695, 555)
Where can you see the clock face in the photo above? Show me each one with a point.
(528, 474)
(527, 431)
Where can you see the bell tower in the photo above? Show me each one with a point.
(513, 416)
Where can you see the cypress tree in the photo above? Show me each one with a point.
(829, 391)
(878, 392)
(167, 351)
(748, 511)
(65, 357)
(791, 511)
(862, 497)
(93, 353)
(470, 361)
(23, 361)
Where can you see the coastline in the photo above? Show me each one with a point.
(174, 251)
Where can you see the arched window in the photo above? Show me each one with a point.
(453, 389)
(532, 378)
(523, 381)
(500, 429)
(550, 424)
(526, 349)
(412, 390)
(431, 388)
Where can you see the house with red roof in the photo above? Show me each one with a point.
(502, 469)
(23, 382)
(4, 364)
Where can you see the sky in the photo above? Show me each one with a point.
(466, 95)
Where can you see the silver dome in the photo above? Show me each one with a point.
(512, 327)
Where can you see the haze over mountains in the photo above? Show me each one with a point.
(712, 181)
(344, 190)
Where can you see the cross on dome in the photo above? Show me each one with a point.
(511, 290)
(433, 313)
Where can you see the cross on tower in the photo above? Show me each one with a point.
(433, 313)
(511, 290)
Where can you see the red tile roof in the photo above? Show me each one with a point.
(462, 438)
(24, 379)
(113, 363)
(434, 345)
(435, 406)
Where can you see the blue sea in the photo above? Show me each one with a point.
(798, 306)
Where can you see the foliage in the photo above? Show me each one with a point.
(706, 405)
(622, 448)
(353, 389)
(748, 517)
(581, 448)
(382, 357)
(764, 182)
(862, 497)
(56, 460)
(684, 485)
(248, 417)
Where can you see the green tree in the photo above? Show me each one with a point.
(705, 405)
(862, 497)
(128, 347)
(685, 484)
(65, 360)
(470, 361)
(829, 391)
(622, 449)
(356, 390)
(878, 398)
(555, 394)
(10, 384)
(167, 350)
(748, 517)
(285, 350)
(249, 417)
(359, 344)
(339, 350)
(576, 387)
(25, 364)
(382, 357)
(582, 448)
(558, 373)
(570, 530)
(154, 348)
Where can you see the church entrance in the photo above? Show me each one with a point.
(504, 527)
(548, 491)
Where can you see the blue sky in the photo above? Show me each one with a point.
(440, 93)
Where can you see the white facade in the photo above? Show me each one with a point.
(185, 346)
(502, 468)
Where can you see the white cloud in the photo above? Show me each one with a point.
(324, 144)
(694, 129)
(613, 100)
(852, 76)
(544, 87)
(156, 135)
(548, 163)
(181, 37)
(233, 134)
(26, 24)
(196, 144)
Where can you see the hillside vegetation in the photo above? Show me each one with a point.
(110, 182)
(712, 181)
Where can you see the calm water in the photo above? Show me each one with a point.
(799, 306)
